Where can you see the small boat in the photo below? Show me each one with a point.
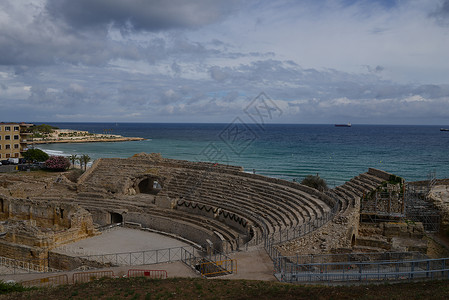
(444, 129)
(343, 125)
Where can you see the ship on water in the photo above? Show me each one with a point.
(343, 125)
(444, 129)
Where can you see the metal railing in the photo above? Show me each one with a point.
(46, 281)
(347, 257)
(17, 266)
(147, 257)
(365, 271)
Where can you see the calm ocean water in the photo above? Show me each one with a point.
(283, 151)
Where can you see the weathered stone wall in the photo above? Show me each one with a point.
(231, 219)
(44, 224)
(379, 173)
(191, 232)
(64, 262)
(34, 255)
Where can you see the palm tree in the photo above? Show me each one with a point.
(73, 158)
(84, 159)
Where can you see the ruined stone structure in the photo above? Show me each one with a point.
(29, 229)
(212, 205)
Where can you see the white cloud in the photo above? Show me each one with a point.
(322, 61)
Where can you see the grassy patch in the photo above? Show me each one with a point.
(228, 289)
(6, 288)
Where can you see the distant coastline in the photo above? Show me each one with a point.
(60, 136)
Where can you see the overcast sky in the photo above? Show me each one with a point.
(366, 61)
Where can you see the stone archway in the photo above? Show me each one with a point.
(116, 218)
(148, 185)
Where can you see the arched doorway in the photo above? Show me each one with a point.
(116, 218)
(149, 185)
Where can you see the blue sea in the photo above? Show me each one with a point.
(278, 150)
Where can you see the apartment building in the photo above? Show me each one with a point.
(13, 139)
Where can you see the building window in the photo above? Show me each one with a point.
(16, 155)
(16, 146)
(7, 128)
(7, 146)
(8, 155)
(16, 137)
(16, 128)
(7, 137)
(0, 147)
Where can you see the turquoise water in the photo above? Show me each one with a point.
(283, 151)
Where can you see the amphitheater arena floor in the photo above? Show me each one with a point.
(120, 240)
(254, 264)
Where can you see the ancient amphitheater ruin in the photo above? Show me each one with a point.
(215, 208)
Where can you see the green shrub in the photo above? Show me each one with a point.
(315, 182)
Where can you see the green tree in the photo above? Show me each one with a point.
(35, 155)
(73, 158)
(315, 182)
(42, 130)
(84, 160)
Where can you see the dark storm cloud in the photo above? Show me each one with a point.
(441, 14)
(148, 15)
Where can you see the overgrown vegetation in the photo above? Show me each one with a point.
(42, 130)
(315, 181)
(196, 288)
(395, 179)
(6, 288)
(74, 174)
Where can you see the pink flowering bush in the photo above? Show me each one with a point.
(57, 163)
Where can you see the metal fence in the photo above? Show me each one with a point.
(83, 277)
(281, 261)
(147, 257)
(154, 274)
(18, 266)
(364, 271)
(46, 281)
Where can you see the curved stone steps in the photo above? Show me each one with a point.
(270, 221)
(295, 195)
(202, 225)
(243, 181)
(372, 178)
(345, 200)
(305, 213)
(352, 197)
(263, 224)
(356, 189)
(244, 200)
(256, 201)
(305, 201)
(218, 199)
(249, 185)
(227, 232)
(366, 182)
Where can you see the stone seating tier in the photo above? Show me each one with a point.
(246, 193)
(209, 194)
